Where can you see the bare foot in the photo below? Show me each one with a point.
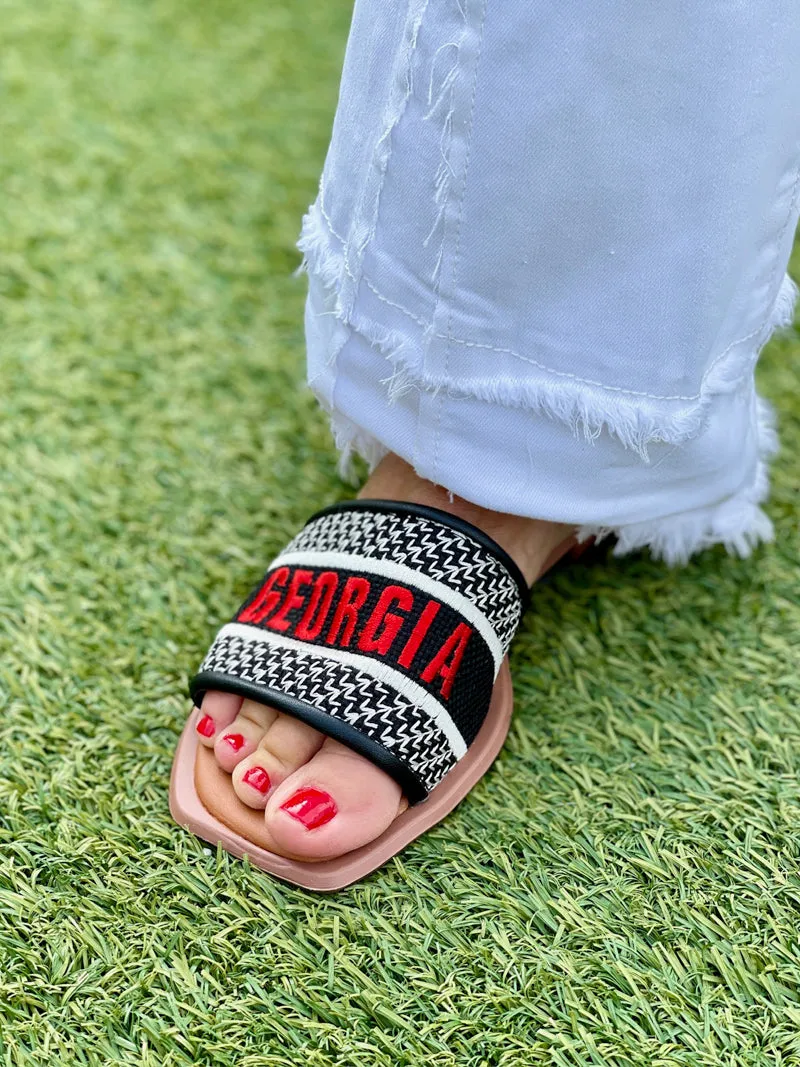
(320, 799)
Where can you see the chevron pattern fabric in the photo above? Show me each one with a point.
(445, 554)
(383, 625)
(345, 693)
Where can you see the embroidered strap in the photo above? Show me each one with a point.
(382, 625)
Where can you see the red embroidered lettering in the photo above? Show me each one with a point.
(267, 598)
(354, 593)
(452, 649)
(279, 621)
(319, 605)
(393, 595)
(423, 624)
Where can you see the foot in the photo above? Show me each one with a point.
(320, 799)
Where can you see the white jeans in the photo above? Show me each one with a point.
(549, 244)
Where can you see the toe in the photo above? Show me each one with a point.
(336, 802)
(217, 712)
(286, 746)
(241, 738)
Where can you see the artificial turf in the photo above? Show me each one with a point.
(622, 889)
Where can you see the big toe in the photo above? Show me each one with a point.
(336, 802)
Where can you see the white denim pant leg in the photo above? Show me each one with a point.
(549, 244)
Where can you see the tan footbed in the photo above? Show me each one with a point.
(201, 798)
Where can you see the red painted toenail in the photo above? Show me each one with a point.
(311, 807)
(206, 726)
(234, 740)
(258, 778)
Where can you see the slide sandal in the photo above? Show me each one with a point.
(386, 626)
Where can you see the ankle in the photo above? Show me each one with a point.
(529, 542)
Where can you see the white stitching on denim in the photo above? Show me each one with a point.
(335, 233)
(441, 219)
(457, 250)
(391, 303)
(393, 122)
(326, 216)
(552, 370)
(772, 284)
(565, 374)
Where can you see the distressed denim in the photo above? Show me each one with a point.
(549, 243)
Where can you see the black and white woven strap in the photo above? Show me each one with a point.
(382, 625)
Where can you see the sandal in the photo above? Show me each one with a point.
(386, 626)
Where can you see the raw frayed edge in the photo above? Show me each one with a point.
(738, 523)
(318, 256)
(585, 409)
(326, 266)
(442, 100)
(352, 441)
(730, 369)
(366, 215)
(784, 309)
(589, 410)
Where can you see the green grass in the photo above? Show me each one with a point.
(623, 888)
